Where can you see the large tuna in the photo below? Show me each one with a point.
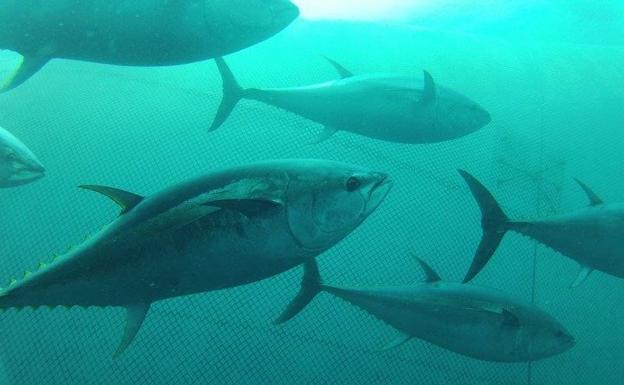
(470, 320)
(135, 32)
(388, 107)
(225, 229)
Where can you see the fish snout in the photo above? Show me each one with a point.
(32, 166)
(487, 118)
(564, 340)
(23, 173)
(36, 168)
(481, 117)
(382, 179)
(284, 12)
(569, 340)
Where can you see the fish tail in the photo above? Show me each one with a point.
(311, 285)
(494, 222)
(232, 94)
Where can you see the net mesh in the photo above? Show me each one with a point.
(143, 129)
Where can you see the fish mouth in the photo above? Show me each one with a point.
(27, 174)
(35, 169)
(378, 192)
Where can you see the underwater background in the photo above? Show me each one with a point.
(549, 73)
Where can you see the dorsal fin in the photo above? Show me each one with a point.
(342, 71)
(429, 89)
(126, 200)
(432, 276)
(594, 200)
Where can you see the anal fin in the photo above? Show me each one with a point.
(134, 319)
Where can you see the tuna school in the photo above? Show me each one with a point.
(235, 226)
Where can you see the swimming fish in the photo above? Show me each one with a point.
(224, 229)
(18, 165)
(387, 107)
(135, 33)
(592, 236)
(470, 320)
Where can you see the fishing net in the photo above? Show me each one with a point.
(142, 129)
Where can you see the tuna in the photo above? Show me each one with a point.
(592, 236)
(18, 165)
(137, 32)
(469, 320)
(229, 228)
(387, 107)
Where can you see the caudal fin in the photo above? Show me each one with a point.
(310, 287)
(232, 94)
(493, 222)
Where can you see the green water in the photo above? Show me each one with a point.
(550, 76)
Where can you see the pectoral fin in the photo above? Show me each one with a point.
(126, 200)
(134, 319)
(310, 286)
(327, 133)
(27, 68)
(582, 276)
(248, 207)
(398, 341)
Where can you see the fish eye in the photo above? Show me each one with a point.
(12, 156)
(353, 184)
